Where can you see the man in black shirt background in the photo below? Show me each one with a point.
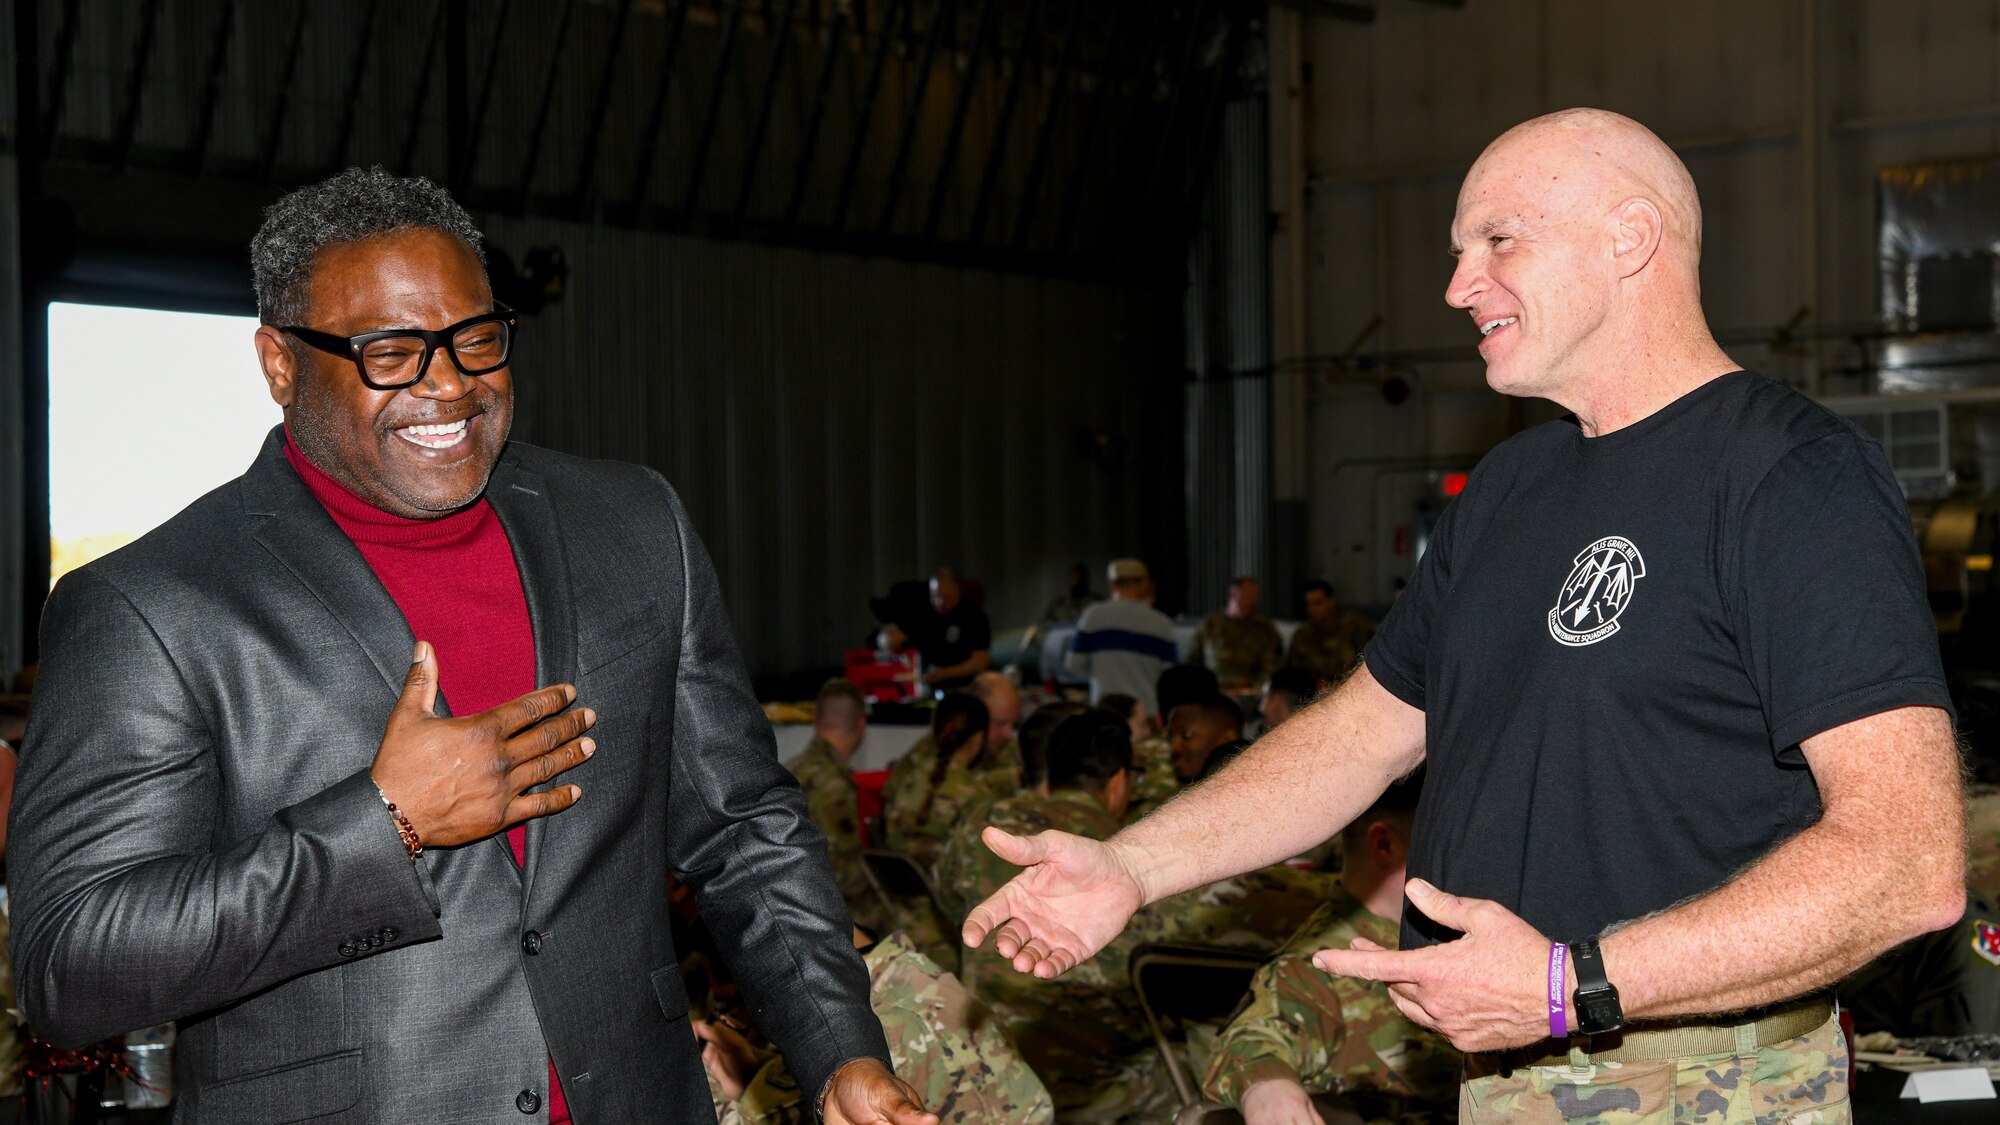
(1672, 666)
(956, 639)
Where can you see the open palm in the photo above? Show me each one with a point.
(1074, 897)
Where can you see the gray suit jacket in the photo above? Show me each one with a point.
(195, 836)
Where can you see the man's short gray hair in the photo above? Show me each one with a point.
(357, 204)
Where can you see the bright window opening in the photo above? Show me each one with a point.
(148, 410)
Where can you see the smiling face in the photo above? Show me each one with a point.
(1535, 268)
(422, 451)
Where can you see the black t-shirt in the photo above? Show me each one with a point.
(1619, 643)
(946, 639)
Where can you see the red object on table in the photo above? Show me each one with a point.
(884, 677)
(868, 799)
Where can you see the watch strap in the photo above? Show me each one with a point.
(1596, 1000)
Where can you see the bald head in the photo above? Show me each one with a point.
(1003, 706)
(1594, 160)
(1578, 239)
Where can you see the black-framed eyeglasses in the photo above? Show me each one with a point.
(395, 358)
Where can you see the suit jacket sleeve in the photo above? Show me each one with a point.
(742, 838)
(126, 912)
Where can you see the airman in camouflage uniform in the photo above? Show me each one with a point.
(829, 790)
(1155, 782)
(1800, 1081)
(1243, 651)
(1329, 641)
(942, 1041)
(1331, 650)
(1083, 1032)
(916, 817)
(1334, 1033)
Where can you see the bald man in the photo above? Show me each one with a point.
(1672, 666)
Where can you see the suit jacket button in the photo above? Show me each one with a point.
(347, 949)
(531, 944)
(386, 933)
(527, 1101)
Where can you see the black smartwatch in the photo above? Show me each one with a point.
(1596, 1002)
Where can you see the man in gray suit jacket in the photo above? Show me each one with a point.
(240, 808)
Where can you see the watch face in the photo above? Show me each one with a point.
(1599, 1012)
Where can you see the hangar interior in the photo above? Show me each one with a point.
(884, 285)
(1005, 286)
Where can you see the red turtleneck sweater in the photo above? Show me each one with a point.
(458, 586)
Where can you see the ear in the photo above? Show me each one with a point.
(1638, 229)
(1385, 847)
(281, 372)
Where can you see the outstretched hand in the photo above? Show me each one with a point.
(1075, 896)
(864, 1092)
(1487, 991)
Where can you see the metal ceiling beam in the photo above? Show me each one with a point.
(968, 84)
(1117, 213)
(656, 118)
(135, 89)
(943, 12)
(586, 169)
(1107, 88)
(1169, 134)
(773, 68)
(551, 70)
(421, 92)
(996, 153)
(281, 105)
(467, 164)
(1045, 134)
(211, 87)
(698, 165)
(870, 94)
(829, 59)
(350, 103)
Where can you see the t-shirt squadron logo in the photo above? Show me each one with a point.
(1986, 940)
(1596, 592)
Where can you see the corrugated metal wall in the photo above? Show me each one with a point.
(837, 423)
(1228, 322)
(1782, 109)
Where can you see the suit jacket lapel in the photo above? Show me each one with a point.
(520, 497)
(294, 527)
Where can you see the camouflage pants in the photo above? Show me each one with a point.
(1801, 1081)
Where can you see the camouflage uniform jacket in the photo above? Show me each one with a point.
(1255, 912)
(1330, 650)
(1154, 781)
(1243, 652)
(941, 1041)
(829, 792)
(917, 816)
(1328, 1032)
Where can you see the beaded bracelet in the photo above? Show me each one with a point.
(412, 843)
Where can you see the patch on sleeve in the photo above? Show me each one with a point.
(1986, 940)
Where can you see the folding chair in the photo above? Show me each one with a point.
(1189, 982)
(897, 875)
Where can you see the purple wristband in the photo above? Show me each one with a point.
(1558, 977)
